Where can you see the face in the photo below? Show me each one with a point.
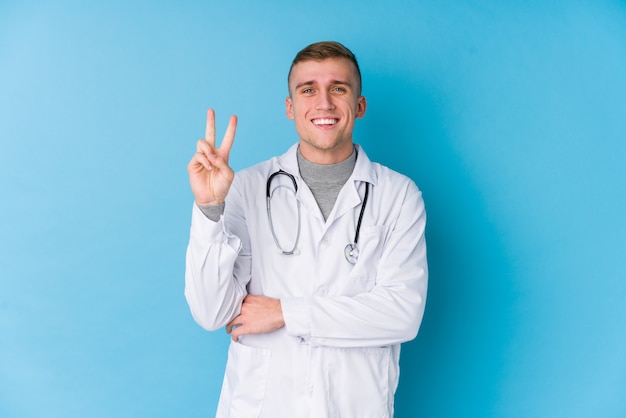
(324, 103)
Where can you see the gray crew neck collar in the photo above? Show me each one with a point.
(330, 173)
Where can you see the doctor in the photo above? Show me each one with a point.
(315, 260)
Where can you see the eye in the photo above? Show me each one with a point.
(307, 91)
(339, 89)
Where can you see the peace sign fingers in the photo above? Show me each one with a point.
(209, 173)
(229, 137)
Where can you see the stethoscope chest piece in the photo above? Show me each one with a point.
(352, 253)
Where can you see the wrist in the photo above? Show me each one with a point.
(208, 203)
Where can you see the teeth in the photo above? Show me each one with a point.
(325, 121)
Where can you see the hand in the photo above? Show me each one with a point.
(259, 315)
(209, 173)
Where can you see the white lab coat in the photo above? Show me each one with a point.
(338, 354)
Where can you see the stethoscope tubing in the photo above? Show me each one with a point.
(358, 224)
(351, 251)
(268, 200)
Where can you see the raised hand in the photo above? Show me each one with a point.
(210, 175)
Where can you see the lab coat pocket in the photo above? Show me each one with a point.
(370, 245)
(245, 380)
(359, 383)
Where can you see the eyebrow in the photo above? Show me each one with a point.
(312, 82)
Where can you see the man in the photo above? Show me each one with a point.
(316, 324)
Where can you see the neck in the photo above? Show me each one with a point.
(326, 156)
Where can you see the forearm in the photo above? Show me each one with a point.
(386, 315)
(215, 274)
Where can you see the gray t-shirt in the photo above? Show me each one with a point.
(325, 181)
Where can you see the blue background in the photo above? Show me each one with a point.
(510, 116)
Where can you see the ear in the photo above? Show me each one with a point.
(361, 105)
(289, 108)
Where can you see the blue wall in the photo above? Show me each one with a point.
(511, 117)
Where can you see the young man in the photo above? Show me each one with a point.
(315, 261)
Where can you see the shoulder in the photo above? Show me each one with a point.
(397, 197)
(393, 182)
(393, 192)
(381, 176)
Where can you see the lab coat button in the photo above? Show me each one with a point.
(322, 291)
(326, 242)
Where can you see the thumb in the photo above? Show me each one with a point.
(221, 164)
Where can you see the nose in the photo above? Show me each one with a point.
(325, 101)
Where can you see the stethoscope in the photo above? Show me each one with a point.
(351, 250)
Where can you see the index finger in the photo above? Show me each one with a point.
(209, 132)
(234, 323)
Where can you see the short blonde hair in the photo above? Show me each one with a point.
(323, 50)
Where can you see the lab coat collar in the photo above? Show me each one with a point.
(349, 198)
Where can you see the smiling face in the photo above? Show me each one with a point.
(324, 101)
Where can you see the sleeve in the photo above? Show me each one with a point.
(213, 212)
(217, 271)
(392, 311)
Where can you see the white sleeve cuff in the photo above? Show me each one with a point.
(210, 231)
(297, 316)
